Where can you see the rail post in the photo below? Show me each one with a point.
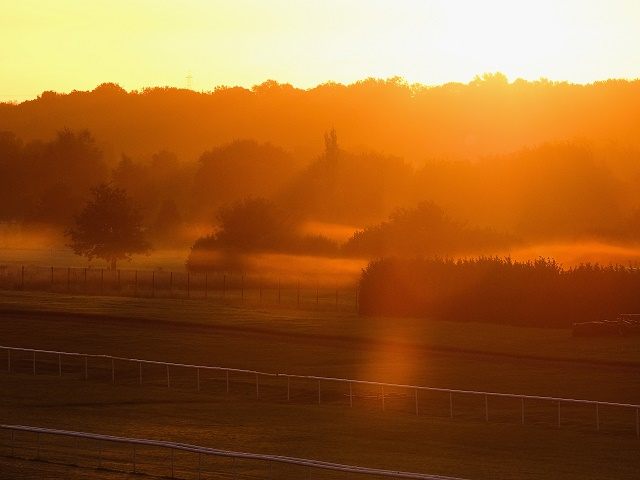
(198, 378)
(288, 389)
(351, 394)
(139, 373)
(597, 417)
(319, 393)
(382, 396)
(168, 378)
(227, 378)
(486, 408)
(8, 360)
(59, 364)
(559, 413)
(416, 391)
(451, 404)
(34, 362)
(257, 387)
(113, 371)
(522, 408)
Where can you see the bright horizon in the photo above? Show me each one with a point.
(78, 45)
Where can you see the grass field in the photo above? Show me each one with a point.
(443, 354)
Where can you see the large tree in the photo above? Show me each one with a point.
(108, 227)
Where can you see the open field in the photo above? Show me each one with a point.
(441, 354)
(466, 449)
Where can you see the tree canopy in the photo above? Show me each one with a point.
(108, 227)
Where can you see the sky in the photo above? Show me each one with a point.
(64, 45)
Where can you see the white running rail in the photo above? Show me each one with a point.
(316, 464)
(414, 388)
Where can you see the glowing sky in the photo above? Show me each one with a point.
(77, 44)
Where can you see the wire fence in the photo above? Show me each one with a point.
(229, 288)
(466, 405)
(173, 460)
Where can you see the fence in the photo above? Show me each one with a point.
(172, 459)
(228, 288)
(622, 418)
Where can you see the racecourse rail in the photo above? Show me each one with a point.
(558, 401)
(201, 451)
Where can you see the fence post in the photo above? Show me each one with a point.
(451, 404)
(172, 467)
(288, 389)
(224, 286)
(86, 368)
(416, 401)
(227, 371)
(597, 416)
(13, 435)
(68, 279)
(522, 404)
(85, 279)
(153, 284)
(351, 394)
(101, 280)
(486, 408)
(38, 446)
(357, 299)
(278, 291)
(118, 275)
(34, 362)
(319, 394)
(206, 295)
(59, 364)
(242, 288)
(260, 289)
(168, 379)
(140, 373)
(8, 360)
(188, 284)
(336, 299)
(317, 295)
(257, 387)
(171, 284)
(51, 278)
(638, 422)
(134, 458)
(113, 371)
(382, 391)
(135, 288)
(298, 295)
(558, 412)
(22, 278)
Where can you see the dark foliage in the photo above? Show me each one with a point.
(108, 227)
(424, 230)
(498, 290)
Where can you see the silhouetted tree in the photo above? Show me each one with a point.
(109, 227)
